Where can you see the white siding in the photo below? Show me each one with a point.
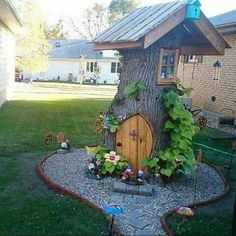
(63, 67)
(7, 63)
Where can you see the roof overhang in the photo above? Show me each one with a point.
(9, 16)
(227, 28)
(212, 42)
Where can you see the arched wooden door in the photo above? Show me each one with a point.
(134, 140)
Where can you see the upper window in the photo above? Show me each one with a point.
(113, 67)
(167, 68)
(91, 66)
(191, 59)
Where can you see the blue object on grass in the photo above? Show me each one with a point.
(113, 210)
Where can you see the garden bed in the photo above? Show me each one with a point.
(141, 216)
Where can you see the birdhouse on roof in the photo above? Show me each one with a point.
(150, 41)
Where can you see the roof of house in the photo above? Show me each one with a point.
(138, 23)
(227, 18)
(9, 15)
(74, 49)
(146, 25)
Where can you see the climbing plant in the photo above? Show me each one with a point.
(133, 89)
(179, 156)
(111, 123)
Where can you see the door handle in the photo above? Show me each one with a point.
(118, 144)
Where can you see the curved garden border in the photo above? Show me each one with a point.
(164, 218)
(74, 195)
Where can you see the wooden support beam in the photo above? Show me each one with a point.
(122, 45)
(211, 34)
(201, 50)
(164, 27)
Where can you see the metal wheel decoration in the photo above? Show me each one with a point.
(98, 125)
(202, 122)
(48, 140)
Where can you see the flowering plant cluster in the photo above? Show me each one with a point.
(109, 162)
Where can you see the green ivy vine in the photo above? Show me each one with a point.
(179, 156)
(133, 89)
(111, 123)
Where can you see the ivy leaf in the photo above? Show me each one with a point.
(140, 85)
(169, 125)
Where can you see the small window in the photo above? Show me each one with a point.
(91, 66)
(87, 67)
(58, 44)
(113, 67)
(167, 68)
(191, 59)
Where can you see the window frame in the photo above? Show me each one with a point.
(175, 65)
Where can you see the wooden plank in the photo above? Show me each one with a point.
(211, 34)
(164, 27)
(203, 50)
(121, 45)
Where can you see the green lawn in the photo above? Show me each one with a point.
(214, 219)
(27, 205)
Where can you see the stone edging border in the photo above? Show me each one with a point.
(74, 195)
(167, 215)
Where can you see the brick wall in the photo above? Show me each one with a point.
(200, 77)
(7, 63)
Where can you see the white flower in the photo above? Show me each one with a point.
(112, 157)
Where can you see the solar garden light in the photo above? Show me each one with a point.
(113, 210)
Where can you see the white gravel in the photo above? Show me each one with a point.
(68, 170)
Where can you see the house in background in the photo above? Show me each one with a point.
(75, 60)
(10, 23)
(214, 77)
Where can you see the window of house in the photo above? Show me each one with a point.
(113, 67)
(57, 44)
(191, 59)
(91, 66)
(167, 67)
(87, 67)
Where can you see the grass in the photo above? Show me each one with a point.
(214, 219)
(27, 205)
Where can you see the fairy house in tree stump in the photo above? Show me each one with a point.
(150, 41)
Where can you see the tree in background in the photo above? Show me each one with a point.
(95, 20)
(119, 8)
(32, 46)
(55, 31)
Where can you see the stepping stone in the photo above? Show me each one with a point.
(119, 187)
(117, 197)
(132, 189)
(144, 232)
(145, 190)
(139, 223)
(143, 199)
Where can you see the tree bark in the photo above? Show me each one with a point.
(142, 65)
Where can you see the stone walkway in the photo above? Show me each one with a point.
(141, 213)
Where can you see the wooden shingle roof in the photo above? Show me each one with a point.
(146, 25)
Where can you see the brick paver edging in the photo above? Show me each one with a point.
(65, 191)
(168, 214)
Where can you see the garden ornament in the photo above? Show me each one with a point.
(184, 211)
(140, 177)
(94, 167)
(48, 140)
(112, 157)
(113, 210)
(127, 174)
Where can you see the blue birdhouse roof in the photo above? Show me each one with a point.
(194, 2)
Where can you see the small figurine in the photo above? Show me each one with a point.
(94, 167)
(64, 147)
(127, 174)
(112, 157)
(140, 177)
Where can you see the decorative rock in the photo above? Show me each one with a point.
(139, 223)
(144, 232)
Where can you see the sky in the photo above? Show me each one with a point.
(74, 8)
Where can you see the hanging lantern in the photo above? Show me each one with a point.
(193, 10)
(216, 67)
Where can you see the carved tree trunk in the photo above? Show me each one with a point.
(141, 65)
